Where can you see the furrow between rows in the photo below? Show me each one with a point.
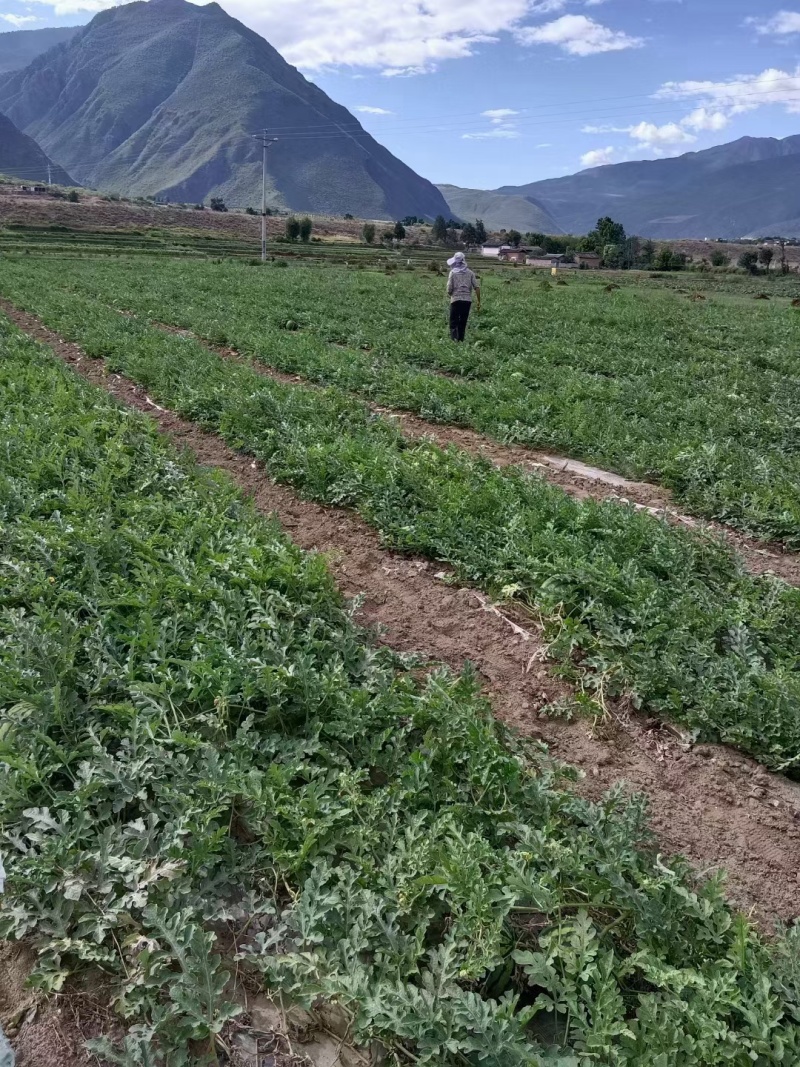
(578, 479)
(710, 803)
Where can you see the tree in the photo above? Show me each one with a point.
(250, 211)
(480, 232)
(217, 204)
(513, 237)
(72, 196)
(399, 231)
(749, 261)
(292, 228)
(612, 256)
(368, 232)
(306, 226)
(439, 229)
(664, 258)
(765, 256)
(631, 250)
(679, 261)
(719, 259)
(610, 232)
(469, 235)
(387, 236)
(647, 253)
(784, 264)
(348, 215)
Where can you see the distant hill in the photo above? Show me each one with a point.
(18, 48)
(498, 210)
(745, 187)
(162, 98)
(21, 157)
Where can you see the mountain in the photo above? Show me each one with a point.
(21, 157)
(497, 210)
(18, 48)
(162, 98)
(747, 186)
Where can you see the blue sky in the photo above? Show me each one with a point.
(483, 93)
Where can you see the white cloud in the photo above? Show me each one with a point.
(400, 40)
(647, 134)
(547, 144)
(19, 20)
(75, 7)
(784, 24)
(552, 7)
(704, 119)
(499, 114)
(503, 125)
(746, 92)
(578, 35)
(598, 157)
(717, 104)
(365, 109)
(506, 132)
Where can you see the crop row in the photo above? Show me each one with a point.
(195, 737)
(638, 607)
(700, 397)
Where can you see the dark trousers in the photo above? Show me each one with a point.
(459, 313)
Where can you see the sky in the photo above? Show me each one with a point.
(484, 93)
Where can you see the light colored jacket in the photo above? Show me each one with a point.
(461, 284)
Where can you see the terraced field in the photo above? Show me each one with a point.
(199, 740)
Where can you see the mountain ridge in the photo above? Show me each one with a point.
(728, 191)
(18, 48)
(498, 211)
(21, 157)
(162, 99)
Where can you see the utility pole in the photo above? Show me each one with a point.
(49, 179)
(265, 140)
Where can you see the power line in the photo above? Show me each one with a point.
(287, 131)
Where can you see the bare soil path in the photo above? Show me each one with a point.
(576, 478)
(715, 806)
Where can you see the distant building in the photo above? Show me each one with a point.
(512, 255)
(492, 250)
(33, 188)
(552, 259)
(588, 260)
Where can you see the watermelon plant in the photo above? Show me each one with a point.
(195, 740)
(701, 398)
(632, 606)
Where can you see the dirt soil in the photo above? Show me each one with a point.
(710, 803)
(47, 1032)
(578, 479)
(93, 213)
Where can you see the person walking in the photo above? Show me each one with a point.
(461, 284)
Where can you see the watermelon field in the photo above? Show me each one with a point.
(215, 777)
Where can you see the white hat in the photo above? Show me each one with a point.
(457, 260)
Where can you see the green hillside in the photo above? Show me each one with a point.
(21, 157)
(498, 211)
(162, 98)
